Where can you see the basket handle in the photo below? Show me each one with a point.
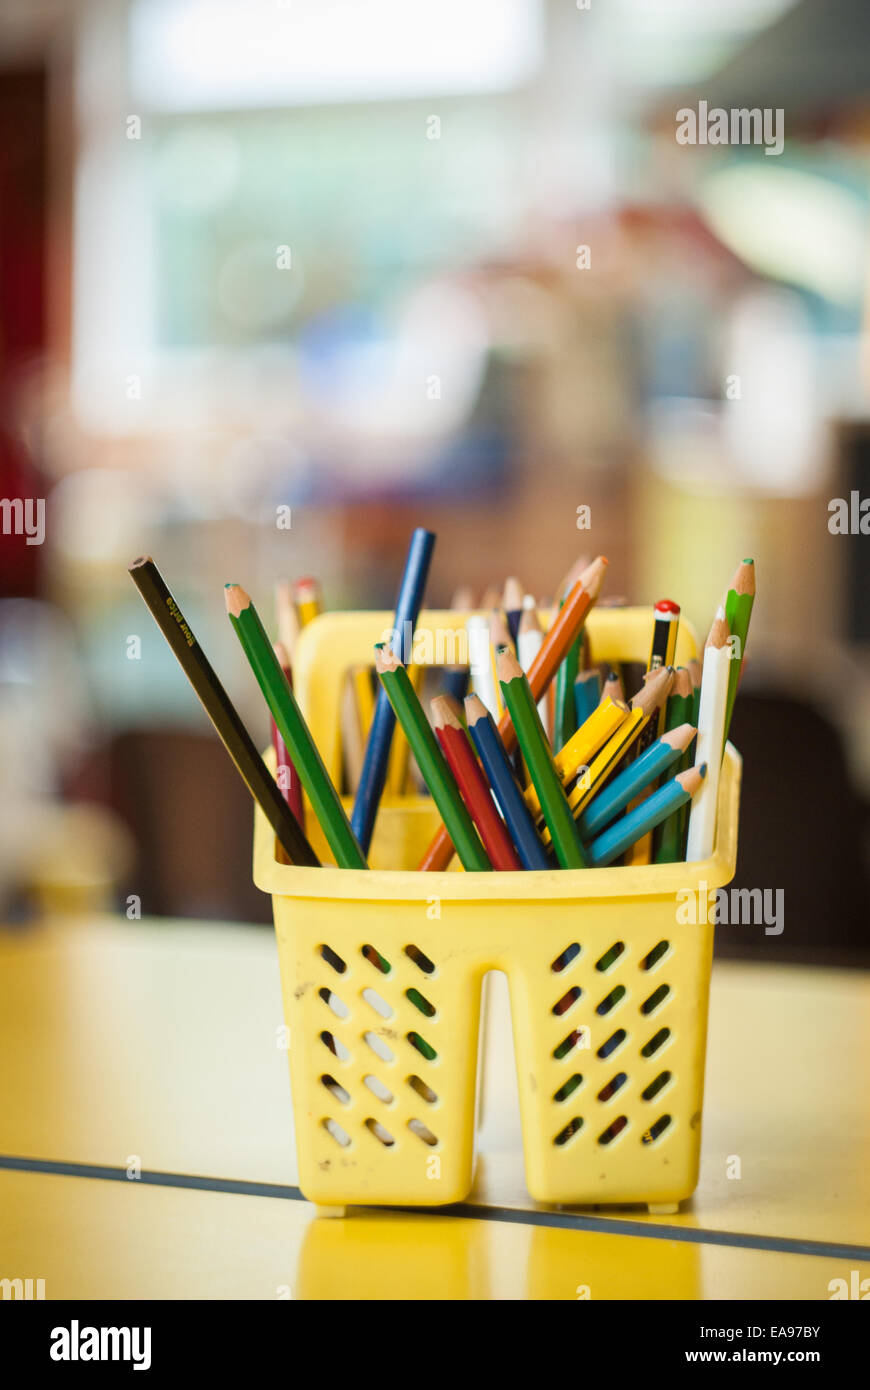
(333, 643)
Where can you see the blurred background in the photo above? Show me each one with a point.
(392, 264)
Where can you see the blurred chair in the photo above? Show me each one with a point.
(803, 828)
(192, 821)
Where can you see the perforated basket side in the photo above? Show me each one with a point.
(609, 1032)
(383, 1022)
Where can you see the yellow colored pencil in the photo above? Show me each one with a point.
(593, 734)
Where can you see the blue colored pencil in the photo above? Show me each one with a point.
(587, 695)
(496, 765)
(374, 770)
(454, 680)
(634, 779)
(626, 831)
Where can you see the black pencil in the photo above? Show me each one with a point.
(221, 711)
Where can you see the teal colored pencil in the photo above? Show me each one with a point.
(587, 696)
(626, 831)
(634, 779)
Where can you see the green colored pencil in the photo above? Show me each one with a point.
(738, 611)
(564, 720)
(293, 729)
(535, 749)
(694, 669)
(668, 836)
(430, 760)
(693, 666)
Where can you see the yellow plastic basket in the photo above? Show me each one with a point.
(382, 970)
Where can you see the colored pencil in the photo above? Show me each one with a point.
(399, 762)
(285, 773)
(430, 759)
(623, 833)
(569, 579)
(496, 765)
(694, 669)
(530, 639)
(473, 786)
(587, 694)
(635, 777)
(666, 626)
(711, 728)
(286, 618)
(221, 711)
(564, 724)
(565, 627)
(670, 835)
(499, 636)
(666, 622)
(293, 729)
(613, 687)
(480, 661)
(738, 611)
(408, 604)
(574, 758)
(641, 708)
(520, 703)
(512, 603)
(308, 602)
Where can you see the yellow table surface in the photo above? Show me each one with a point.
(161, 1043)
(94, 1239)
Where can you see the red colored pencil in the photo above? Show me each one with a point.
(473, 786)
(286, 774)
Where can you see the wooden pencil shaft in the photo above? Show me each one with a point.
(221, 711)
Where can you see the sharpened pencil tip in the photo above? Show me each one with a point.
(507, 666)
(236, 599)
(385, 659)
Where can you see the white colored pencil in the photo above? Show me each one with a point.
(709, 743)
(480, 661)
(530, 639)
